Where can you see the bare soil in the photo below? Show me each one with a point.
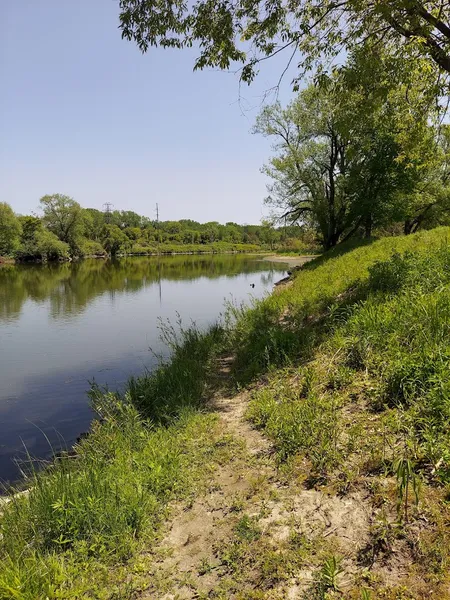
(189, 561)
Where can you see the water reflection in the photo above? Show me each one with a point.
(71, 287)
(63, 325)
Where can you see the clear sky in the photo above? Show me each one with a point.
(84, 113)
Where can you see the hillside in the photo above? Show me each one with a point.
(299, 449)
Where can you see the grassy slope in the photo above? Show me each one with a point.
(352, 364)
(364, 393)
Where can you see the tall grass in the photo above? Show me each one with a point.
(95, 508)
(289, 324)
(382, 310)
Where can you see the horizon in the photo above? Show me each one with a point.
(86, 114)
(245, 224)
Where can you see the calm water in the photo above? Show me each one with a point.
(62, 326)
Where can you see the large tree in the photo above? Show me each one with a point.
(350, 151)
(63, 217)
(310, 30)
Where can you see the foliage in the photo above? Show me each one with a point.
(406, 479)
(86, 247)
(113, 239)
(31, 227)
(49, 247)
(62, 216)
(351, 154)
(312, 31)
(299, 420)
(10, 230)
(264, 337)
(181, 382)
(90, 232)
(329, 574)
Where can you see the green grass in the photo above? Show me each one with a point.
(356, 363)
(211, 248)
(383, 309)
(290, 323)
(90, 513)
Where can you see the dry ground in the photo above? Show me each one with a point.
(258, 533)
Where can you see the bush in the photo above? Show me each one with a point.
(49, 247)
(87, 247)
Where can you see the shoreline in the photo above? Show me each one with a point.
(38, 261)
(292, 261)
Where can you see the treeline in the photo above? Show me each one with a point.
(66, 230)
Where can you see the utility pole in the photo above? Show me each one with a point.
(107, 209)
(158, 235)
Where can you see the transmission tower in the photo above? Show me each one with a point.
(107, 209)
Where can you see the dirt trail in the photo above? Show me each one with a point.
(191, 563)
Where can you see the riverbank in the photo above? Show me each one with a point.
(292, 261)
(341, 490)
(163, 250)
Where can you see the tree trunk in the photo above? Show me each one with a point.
(368, 224)
(408, 226)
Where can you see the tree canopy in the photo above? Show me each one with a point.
(66, 229)
(311, 31)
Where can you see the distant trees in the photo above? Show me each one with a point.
(10, 230)
(113, 239)
(63, 217)
(65, 230)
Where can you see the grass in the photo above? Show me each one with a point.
(284, 326)
(210, 248)
(350, 367)
(356, 356)
(95, 510)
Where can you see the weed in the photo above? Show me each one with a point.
(406, 478)
(247, 529)
(329, 574)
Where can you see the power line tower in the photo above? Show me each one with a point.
(107, 210)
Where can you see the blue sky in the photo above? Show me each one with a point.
(84, 113)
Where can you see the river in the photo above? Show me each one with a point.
(65, 325)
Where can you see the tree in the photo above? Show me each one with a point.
(429, 205)
(349, 150)
(31, 226)
(10, 230)
(310, 165)
(387, 109)
(50, 247)
(113, 239)
(93, 221)
(312, 30)
(63, 217)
